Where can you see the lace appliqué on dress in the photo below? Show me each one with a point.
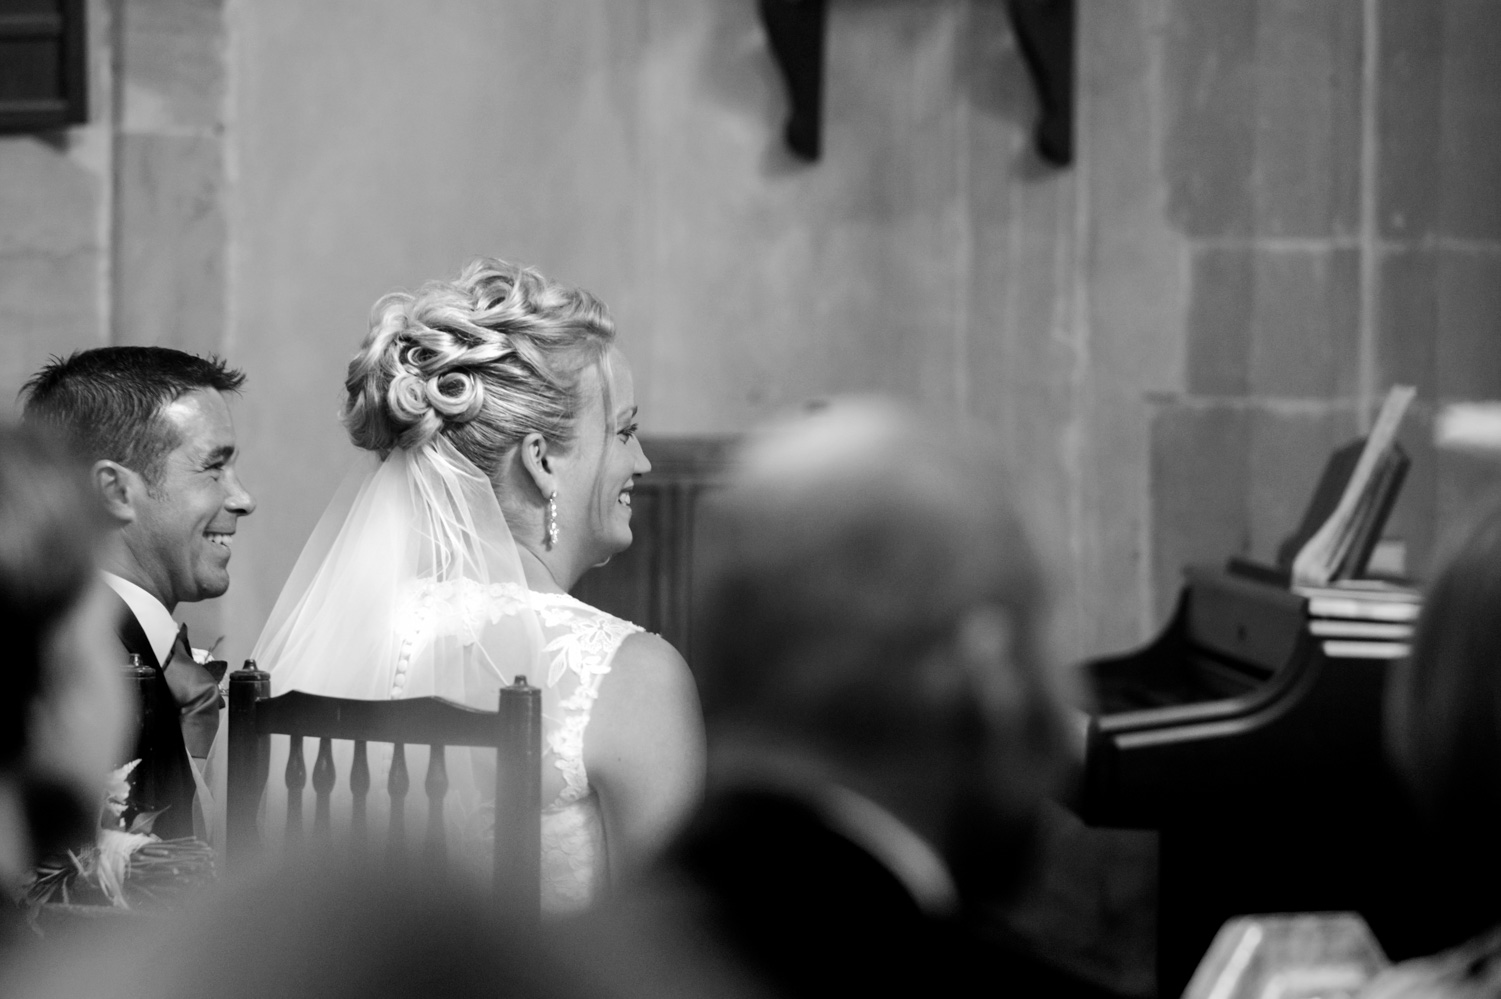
(460, 608)
(581, 651)
(579, 648)
(581, 643)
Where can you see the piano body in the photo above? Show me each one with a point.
(1259, 760)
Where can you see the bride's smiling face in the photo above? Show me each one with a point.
(598, 473)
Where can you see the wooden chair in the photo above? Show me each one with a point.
(515, 731)
(163, 779)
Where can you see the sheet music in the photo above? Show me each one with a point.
(1316, 564)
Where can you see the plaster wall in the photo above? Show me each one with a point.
(633, 148)
(1278, 208)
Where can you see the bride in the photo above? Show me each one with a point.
(498, 421)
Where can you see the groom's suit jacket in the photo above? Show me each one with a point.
(164, 778)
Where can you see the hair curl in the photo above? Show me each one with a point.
(483, 360)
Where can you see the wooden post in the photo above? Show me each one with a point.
(518, 801)
(247, 777)
(435, 850)
(359, 788)
(323, 788)
(398, 782)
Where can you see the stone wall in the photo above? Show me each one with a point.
(634, 148)
(1329, 168)
(1278, 209)
(116, 231)
(56, 191)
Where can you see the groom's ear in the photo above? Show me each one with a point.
(118, 488)
(538, 464)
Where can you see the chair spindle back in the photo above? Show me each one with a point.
(514, 730)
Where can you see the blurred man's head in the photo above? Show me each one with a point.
(155, 426)
(63, 717)
(871, 599)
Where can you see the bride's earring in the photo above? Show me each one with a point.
(552, 519)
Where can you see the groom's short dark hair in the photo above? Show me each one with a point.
(108, 401)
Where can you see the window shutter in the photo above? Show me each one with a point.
(43, 60)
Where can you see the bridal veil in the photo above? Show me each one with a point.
(410, 586)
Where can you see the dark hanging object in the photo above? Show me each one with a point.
(796, 29)
(1045, 32)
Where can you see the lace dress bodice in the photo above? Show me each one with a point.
(579, 646)
(581, 642)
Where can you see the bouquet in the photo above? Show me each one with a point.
(126, 866)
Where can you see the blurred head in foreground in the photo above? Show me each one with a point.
(874, 615)
(312, 930)
(328, 931)
(63, 714)
(1444, 706)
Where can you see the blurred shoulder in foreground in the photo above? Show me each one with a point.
(322, 931)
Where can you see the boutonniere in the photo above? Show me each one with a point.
(206, 658)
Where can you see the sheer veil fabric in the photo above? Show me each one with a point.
(411, 570)
(410, 586)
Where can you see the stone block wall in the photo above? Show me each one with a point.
(1279, 208)
(117, 231)
(56, 190)
(1331, 172)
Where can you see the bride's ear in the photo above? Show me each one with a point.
(537, 463)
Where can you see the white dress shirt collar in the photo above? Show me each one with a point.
(894, 844)
(902, 851)
(160, 629)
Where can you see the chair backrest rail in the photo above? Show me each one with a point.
(417, 720)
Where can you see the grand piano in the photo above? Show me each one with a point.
(1257, 756)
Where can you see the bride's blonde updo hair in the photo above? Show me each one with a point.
(484, 361)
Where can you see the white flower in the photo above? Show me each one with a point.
(117, 790)
(113, 861)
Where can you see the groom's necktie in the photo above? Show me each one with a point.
(195, 686)
(181, 652)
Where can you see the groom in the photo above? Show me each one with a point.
(155, 426)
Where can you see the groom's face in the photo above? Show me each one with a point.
(186, 518)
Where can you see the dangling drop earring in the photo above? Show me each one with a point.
(552, 519)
